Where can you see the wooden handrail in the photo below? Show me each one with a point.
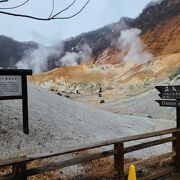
(148, 144)
(87, 147)
(140, 163)
(21, 172)
(71, 162)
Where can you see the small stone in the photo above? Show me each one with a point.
(102, 101)
(59, 94)
(67, 96)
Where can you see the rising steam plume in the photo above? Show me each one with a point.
(73, 58)
(131, 45)
(38, 59)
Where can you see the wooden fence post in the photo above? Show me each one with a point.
(19, 171)
(119, 161)
(176, 149)
(177, 157)
(176, 144)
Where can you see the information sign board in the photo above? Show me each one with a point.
(13, 85)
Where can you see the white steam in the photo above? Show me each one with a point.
(73, 58)
(37, 59)
(131, 45)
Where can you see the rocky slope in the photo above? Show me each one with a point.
(56, 123)
(12, 51)
(158, 22)
(86, 79)
(110, 80)
(160, 26)
(125, 88)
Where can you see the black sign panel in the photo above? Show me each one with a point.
(168, 89)
(170, 95)
(13, 85)
(169, 103)
(169, 92)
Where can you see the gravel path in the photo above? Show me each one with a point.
(144, 105)
(57, 122)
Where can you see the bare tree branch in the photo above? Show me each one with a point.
(65, 9)
(68, 17)
(52, 9)
(51, 16)
(14, 7)
(3, 1)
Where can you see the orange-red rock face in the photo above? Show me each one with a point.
(165, 38)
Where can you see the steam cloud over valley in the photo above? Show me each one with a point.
(38, 59)
(74, 58)
(131, 45)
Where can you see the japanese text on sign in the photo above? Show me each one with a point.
(10, 86)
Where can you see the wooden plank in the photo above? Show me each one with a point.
(7, 177)
(71, 162)
(158, 174)
(119, 161)
(86, 147)
(19, 171)
(104, 143)
(8, 162)
(177, 150)
(25, 105)
(151, 161)
(10, 97)
(148, 144)
(15, 72)
(139, 163)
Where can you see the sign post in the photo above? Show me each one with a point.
(178, 116)
(172, 93)
(13, 85)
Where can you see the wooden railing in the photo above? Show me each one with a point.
(21, 172)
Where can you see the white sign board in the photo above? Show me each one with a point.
(10, 85)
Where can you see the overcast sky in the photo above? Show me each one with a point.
(97, 14)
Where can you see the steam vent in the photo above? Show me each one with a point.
(90, 90)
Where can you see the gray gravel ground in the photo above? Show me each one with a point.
(57, 122)
(143, 105)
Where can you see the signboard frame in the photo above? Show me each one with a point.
(23, 73)
(170, 92)
(169, 103)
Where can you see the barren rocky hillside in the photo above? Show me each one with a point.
(160, 26)
(104, 80)
(158, 22)
(57, 123)
(106, 70)
(120, 80)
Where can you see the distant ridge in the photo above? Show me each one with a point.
(160, 25)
